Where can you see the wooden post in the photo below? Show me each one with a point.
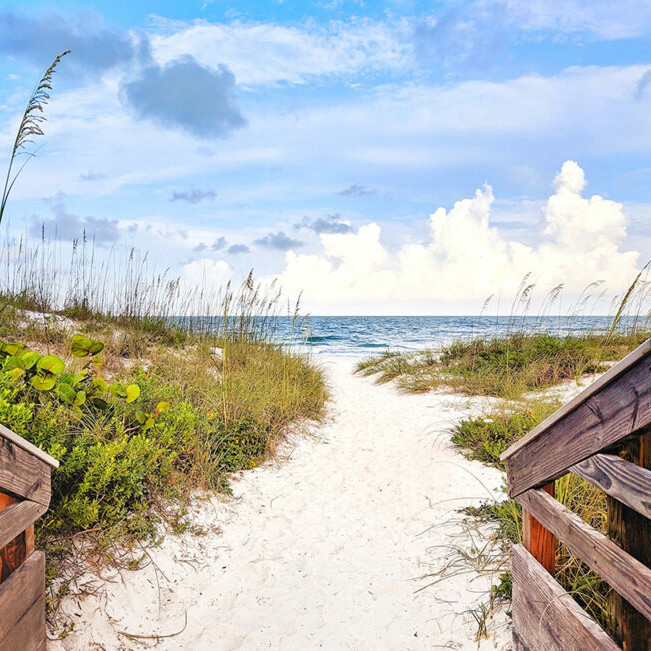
(632, 532)
(540, 542)
(13, 554)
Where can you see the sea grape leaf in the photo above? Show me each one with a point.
(100, 383)
(43, 383)
(162, 407)
(82, 346)
(30, 357)
(52, 364)
(133, 392)
(14, 362)
(66, 393)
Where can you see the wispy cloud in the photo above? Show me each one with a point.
(357, 190)
(92, 176)
(235, 249)
(278, 241)
(328, 224)
(38, 37)
(66, 226)
(194, 195)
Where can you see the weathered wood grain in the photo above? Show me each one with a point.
(17, 517)
(545, 617)
(538, 540)
(12, 554)
(621, 479)
(621, 408)
(20, 592)
(617, 369)
(28, 633)
(632, 532)
(624, 573)
(28, 447)
(23, 474)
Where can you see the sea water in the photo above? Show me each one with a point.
(357, 336)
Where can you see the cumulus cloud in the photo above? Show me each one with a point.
(465, 259)
(328, 224)
(278, 241)
(194, 196)
(205, 273)
(66, 226)
(356, 190)
(183, 93)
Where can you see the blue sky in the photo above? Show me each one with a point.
(318, 142)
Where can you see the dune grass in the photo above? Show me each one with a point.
(484, 439)
(517, 368)
(213, 395)
(506, 367)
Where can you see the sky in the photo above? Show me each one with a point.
(389, 157)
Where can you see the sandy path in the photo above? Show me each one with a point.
(324, 549)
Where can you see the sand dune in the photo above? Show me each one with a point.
(323, 548)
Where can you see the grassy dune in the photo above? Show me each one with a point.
(518, 368)
(505, 367)
(141, 410)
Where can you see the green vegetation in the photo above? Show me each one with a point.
(140, 407)
(505, 367)
(142, 411)
(485, 438)
(518, 368)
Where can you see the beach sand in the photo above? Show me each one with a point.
(324, 547)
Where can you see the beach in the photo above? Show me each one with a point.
(325, 546)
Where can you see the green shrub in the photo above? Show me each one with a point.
(485, 438)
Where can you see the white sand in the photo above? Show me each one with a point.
(324, 548)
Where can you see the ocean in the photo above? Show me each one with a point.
(358, 336)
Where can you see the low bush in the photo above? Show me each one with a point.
(507, 367)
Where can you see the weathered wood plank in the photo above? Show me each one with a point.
(20, 591)
(632, 532)
(28, 633)
(621, 479)
(11, 555)
(540, 541)
(624, 573)
(617, 369)
(23, 474)
(28, 447)
(545, 617)
(621, 408)
(17, 517)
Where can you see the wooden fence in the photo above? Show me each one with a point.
(24, 497)
(604, 436)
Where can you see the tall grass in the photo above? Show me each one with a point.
(230, 391)
(528, 356)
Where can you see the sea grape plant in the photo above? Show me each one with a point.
(47, 374)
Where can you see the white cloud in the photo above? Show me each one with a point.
(267, 53)
(465, 259)
(603, 19)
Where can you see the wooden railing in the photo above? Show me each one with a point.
(604, 436)
(24, 497)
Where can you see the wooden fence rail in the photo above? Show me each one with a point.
(24, 497)
(603, 436)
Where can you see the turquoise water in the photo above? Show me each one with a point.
(354, 336)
